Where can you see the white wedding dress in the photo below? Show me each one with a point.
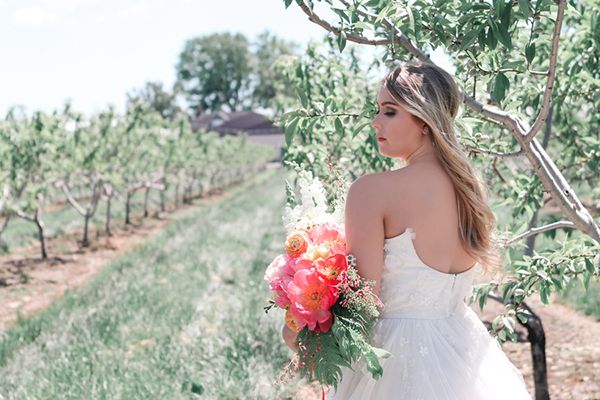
(440, 348)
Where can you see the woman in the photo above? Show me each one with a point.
(422, 232)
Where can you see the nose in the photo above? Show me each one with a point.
(375, 123)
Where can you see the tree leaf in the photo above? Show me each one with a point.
(524, 6)
(530, 52)
(290, 130)
(469, 38)
(341, 41)
(339, 128)
(501, 85)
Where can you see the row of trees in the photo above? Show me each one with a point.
(526, 68)
(48, 158)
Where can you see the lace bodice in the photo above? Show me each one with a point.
(412, 289)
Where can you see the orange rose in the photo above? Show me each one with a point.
(296, 244)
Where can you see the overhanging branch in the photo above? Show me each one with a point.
(551, 74)
(540, 229)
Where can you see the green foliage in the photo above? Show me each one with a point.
(323, 354)
(330, 133)
(500, 51)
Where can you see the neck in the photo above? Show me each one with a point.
(425, 152)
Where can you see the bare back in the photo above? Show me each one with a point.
(422, 197)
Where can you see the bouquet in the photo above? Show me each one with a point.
(316, 282)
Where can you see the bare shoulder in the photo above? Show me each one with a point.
(374, 184)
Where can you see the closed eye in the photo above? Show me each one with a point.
(388, 113)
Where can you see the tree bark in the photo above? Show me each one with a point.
(127, 208)
(41, 235)
(163, 206)
(537, 338)
(146, 195)
(85, 242)
(534, 219)
(108, 206)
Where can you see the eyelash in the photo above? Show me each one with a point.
(387, 113)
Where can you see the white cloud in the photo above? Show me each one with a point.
(139, 9)
(32, 16)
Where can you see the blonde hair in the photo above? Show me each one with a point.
(430, 94)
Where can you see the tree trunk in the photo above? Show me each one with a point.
(41, 236)
(163, 206)
(107, 224)
(177, 196)
(85, 242)
(530, 243)
(127, 208)
(146, 195)
(534, 219)
(537, 338)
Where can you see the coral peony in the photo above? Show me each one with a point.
(296, 243)
(332, 267)
(311, 297)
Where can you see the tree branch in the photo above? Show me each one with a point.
(349, 36)
(551, 74)
(62, 185)
(495, 153)
(540, 229)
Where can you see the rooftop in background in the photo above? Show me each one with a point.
(249, 122)
(259, 128)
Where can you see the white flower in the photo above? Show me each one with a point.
(312, 205)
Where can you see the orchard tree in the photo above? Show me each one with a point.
(530, 72)
(28, 148)
(160, 100)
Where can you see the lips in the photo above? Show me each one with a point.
(380, 139)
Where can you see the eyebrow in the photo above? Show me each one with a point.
(389, 103)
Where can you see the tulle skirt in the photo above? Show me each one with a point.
(453, 358)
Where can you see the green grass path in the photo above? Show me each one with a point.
(180, 316)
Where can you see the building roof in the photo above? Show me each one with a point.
(249, 122)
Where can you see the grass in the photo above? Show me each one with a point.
(587, 302)
(179, 318)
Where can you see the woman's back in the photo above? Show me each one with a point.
(421, 196)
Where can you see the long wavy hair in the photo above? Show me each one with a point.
(430, 94)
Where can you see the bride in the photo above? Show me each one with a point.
(422, 232)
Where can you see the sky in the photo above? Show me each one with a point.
(94, 52)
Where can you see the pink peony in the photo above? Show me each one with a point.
(279, 274)
(311, 299)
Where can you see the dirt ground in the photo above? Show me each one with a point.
(572, 350)
(29, 284)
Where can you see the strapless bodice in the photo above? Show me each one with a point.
(412, 289)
